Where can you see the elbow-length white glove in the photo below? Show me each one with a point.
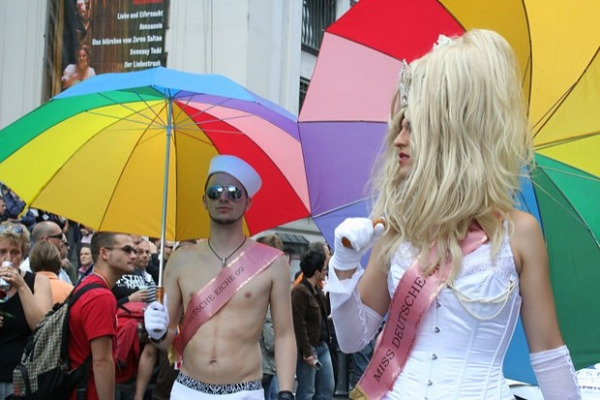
(555, 374)
(356, 324)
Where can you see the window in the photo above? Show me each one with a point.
(303, 89)
(316, 16)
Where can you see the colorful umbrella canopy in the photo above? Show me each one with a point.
(97, 153)
(345, 113)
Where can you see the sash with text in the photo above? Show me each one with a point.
(205, 303)
(412, 298)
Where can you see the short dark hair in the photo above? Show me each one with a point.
(313, 259)
(44, 256)
(100, 240)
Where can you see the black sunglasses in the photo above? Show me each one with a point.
(127, 249)
(56, 236)
(214, 192)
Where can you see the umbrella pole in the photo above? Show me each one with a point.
(163, 222)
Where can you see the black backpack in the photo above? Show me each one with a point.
(45, 370)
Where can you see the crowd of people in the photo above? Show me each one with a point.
(452, 266)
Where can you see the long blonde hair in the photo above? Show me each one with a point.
(469, 144)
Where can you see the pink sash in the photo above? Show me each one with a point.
(205, 303)
(412, 298)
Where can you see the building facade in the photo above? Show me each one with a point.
(268, 46)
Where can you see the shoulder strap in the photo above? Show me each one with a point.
(29, 279)
(77, 293)
(71, 299)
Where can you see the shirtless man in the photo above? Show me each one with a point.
(222, 358)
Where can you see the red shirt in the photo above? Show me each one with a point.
(92, 316)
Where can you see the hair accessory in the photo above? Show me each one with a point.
(404, 84)
(442, 40)
(239, 169)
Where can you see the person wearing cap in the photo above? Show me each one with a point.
(223, 286)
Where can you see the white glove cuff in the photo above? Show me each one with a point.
(342, 288)
(356, 324)
(341, 265)
(555, 374)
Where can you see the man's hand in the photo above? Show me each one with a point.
(156, 319)
(361, 234)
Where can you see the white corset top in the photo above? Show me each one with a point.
(463, 337)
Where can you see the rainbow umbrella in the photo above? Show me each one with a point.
(344, 118)
(130, 153)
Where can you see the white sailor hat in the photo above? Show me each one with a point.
(239, 169)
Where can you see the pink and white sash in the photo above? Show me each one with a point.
(412, 298)
(205, 303)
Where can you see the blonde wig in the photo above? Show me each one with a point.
(469, 143)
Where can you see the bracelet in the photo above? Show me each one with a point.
(285, 395)
(160, 339)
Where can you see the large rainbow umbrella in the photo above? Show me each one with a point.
(130, 153)
(344, 118)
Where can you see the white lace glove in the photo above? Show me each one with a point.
(361, 234)
(555, 374)
(156, 319)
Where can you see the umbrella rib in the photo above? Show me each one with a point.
(206, 111)
(562, 99)
(576, 216)
(136, 121)
(566, 140)
(220, 104)
(331, 210)
(560, 171)
(529, 65)
(201, 111)
(124, 105)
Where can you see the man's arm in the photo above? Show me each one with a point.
(104, 367)
(173, 299)
(281, 311)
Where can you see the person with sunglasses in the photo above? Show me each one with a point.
(24, 299)
(134, 291)
(49, 231)
(92, 322)
(223, 286)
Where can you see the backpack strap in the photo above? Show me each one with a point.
(70, 300)
(74, 296)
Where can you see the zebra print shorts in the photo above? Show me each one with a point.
(210, 388)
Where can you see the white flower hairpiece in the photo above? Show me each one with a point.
(404, 83)
(442, 40)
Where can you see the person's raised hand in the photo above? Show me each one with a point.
(156, 319)
(353, 238)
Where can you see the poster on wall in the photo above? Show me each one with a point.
(91, 37)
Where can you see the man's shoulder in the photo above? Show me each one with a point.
(301, 290)
(260, 252)
(100, 294)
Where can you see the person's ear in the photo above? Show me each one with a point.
(204, 201)
(248, 203)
